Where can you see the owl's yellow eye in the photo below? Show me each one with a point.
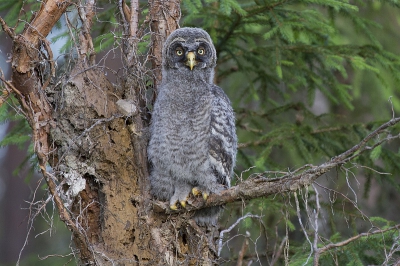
(179, 51)
(201, 51)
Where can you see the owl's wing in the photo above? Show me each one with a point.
(223, 141)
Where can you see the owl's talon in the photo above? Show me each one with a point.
(205, 196)
(173, 207)
(196, 191)
(183, 203)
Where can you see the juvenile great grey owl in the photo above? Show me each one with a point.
(193, 142)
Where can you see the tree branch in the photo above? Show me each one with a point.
(7, 29)
(134, 19)
(44, 20)
(351, 239)
(86, 13)
(164, 19)
(261, 186)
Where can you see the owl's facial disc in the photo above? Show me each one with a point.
(191, 60)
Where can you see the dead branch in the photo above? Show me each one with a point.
(279, 252)
(10, 86)
(221, 234)
(316, 225)
(6, 28)
(44, 20)
(261, 186)
(130, 23)
(245, 245)
(79, 238)
(134, 19)
(394, 249)
(351, 239)
(86, 13)
(164, 19)
(302, 226)
(125, 12)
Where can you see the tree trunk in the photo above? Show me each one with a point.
(97, 155)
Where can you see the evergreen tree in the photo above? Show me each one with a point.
(314, 85)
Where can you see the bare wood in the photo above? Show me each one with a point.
(26, 46)
(130, 21)
(79, 238)
(6, 28)
(86, 14)
(125, 13)
(134, 18)
(279, 252)
(242, 252)
(44, 20)
(164, 19)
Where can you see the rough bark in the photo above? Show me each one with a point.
(164, 19)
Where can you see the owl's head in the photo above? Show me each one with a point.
(189, 49)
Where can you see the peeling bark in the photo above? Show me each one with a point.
(164, 19)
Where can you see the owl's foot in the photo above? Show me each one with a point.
(173, 207)
(181, 195)
(196, 191)
(182, 202)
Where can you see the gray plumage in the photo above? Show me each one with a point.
(193, 138)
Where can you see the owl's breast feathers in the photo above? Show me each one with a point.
(198, 125)
(223, 140)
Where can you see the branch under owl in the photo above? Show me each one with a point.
(271, 183)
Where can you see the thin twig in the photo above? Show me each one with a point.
(11, 86)
(221, 234)
(245, 245)
(86, 14)
(302, 226)
(394, 248)
(364, 216)
(354, 238)
(316, 236)
(279, 252)
(7, 29)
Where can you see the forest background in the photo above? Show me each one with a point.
(308, 80)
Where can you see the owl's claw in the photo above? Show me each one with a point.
(205, 195)
(174, 207)
(183, 203)
(196, 191)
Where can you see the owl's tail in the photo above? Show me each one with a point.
(208, 216)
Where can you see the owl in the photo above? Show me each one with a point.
(193, 143)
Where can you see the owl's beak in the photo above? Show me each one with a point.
(191, 60)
